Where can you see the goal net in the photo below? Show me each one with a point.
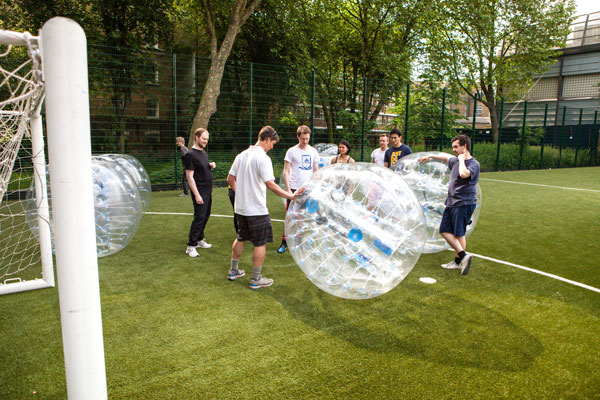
(25, 249)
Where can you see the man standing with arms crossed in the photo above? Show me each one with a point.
(200, 179)
(397, 151)
(300, 162)
(250, 176)
(461, 200)
(378, 155)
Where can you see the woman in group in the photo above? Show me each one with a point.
(343, 153)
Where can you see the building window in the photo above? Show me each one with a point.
(152, 108)
(479, 111)
(543, 89)
(151, 73)
(581, 86)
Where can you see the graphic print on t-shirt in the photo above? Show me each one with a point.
(306, 162)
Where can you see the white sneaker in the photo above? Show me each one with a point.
(203, 245)
(451, 265)
(191, 251)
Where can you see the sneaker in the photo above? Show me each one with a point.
(183, 195)
(451, 265)
(232, 276)
(191, 251)
(203, 245)
(281, 248)
(261, 283)
(465, 264)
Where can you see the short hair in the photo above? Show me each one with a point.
(384, 135)
(179, 139)
(302, 129)
(268, 132)
(347, 144)
(463, 140)
(395, 131)
(199, 132)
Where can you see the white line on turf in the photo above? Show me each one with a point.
(535, 271)
(539, 184)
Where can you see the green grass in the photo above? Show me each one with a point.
(175, 328)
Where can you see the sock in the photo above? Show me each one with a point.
(457, 259)
(461, 255)
(256, 273)
(234, 265)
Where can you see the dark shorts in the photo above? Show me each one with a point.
(256, 229)
(456, 219)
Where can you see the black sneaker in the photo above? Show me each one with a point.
(281, 248)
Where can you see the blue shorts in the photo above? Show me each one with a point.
(456, 219)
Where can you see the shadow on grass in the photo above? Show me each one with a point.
(436, 327)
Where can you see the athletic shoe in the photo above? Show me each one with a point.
(183, 195)
(232, 276)
(203, 245)
(191, 251)
(465, 264)
(451, 265)
(261, 283)
(281, 248)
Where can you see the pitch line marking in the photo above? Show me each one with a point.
(535, 271)
(539, 184)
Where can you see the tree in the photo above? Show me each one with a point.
(495, 47)
(239, 12)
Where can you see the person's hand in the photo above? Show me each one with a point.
(298, 193)
(461, 157)
(199, 199)
(423, 159)
(213, 165)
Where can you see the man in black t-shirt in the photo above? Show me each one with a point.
(200, 179)
(396, 151)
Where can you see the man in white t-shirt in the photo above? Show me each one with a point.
(378, 154)
(299, 163)
(250, 176)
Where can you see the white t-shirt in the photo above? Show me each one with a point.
(252, 168)
(378, 155)
(301, 164)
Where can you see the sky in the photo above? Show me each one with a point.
(587, 6)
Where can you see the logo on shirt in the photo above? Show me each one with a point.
(306, 162)
(395, 157)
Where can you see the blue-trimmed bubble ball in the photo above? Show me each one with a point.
(429, 180)
(357, 230)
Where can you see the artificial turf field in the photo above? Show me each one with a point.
(175, 328)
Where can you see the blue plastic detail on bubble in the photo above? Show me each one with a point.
(312, 206)
(361, 259)
(383, 247)
(355, 235)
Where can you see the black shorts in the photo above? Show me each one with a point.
(456, 219)
(255, 228)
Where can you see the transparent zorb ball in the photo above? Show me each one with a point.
(357, 230)
(137, 172)
(429, 180)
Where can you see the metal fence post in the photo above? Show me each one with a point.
(364, 115)
(523, 134)
(593, 138)
(499, 133)
(250, 108)
(406, 112)
(543, 137)
(443, 119)
(175, 117)
(312, 109)
(578, 135)
(562, 133)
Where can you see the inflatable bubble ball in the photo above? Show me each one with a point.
(429, 180)
(137, 172)
(357, 230)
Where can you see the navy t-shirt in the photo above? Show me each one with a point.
(393, 154)
(462, 191)
(197, 160)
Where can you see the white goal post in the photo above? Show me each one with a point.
(64, 64)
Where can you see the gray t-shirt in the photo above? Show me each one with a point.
(462, 191)
(183, 151)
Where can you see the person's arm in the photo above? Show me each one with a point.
(213, 165)
(287, 166)
(463, 171)
(286, 194)
(231, 181)
(442, 157)
(189, 173)
(351, 160)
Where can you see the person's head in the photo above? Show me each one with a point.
(267, 137)
(383, 141)
(344, 147)
(179, 141)
(303, 134)
(461, 144)
(396, 137)
(201, 138)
